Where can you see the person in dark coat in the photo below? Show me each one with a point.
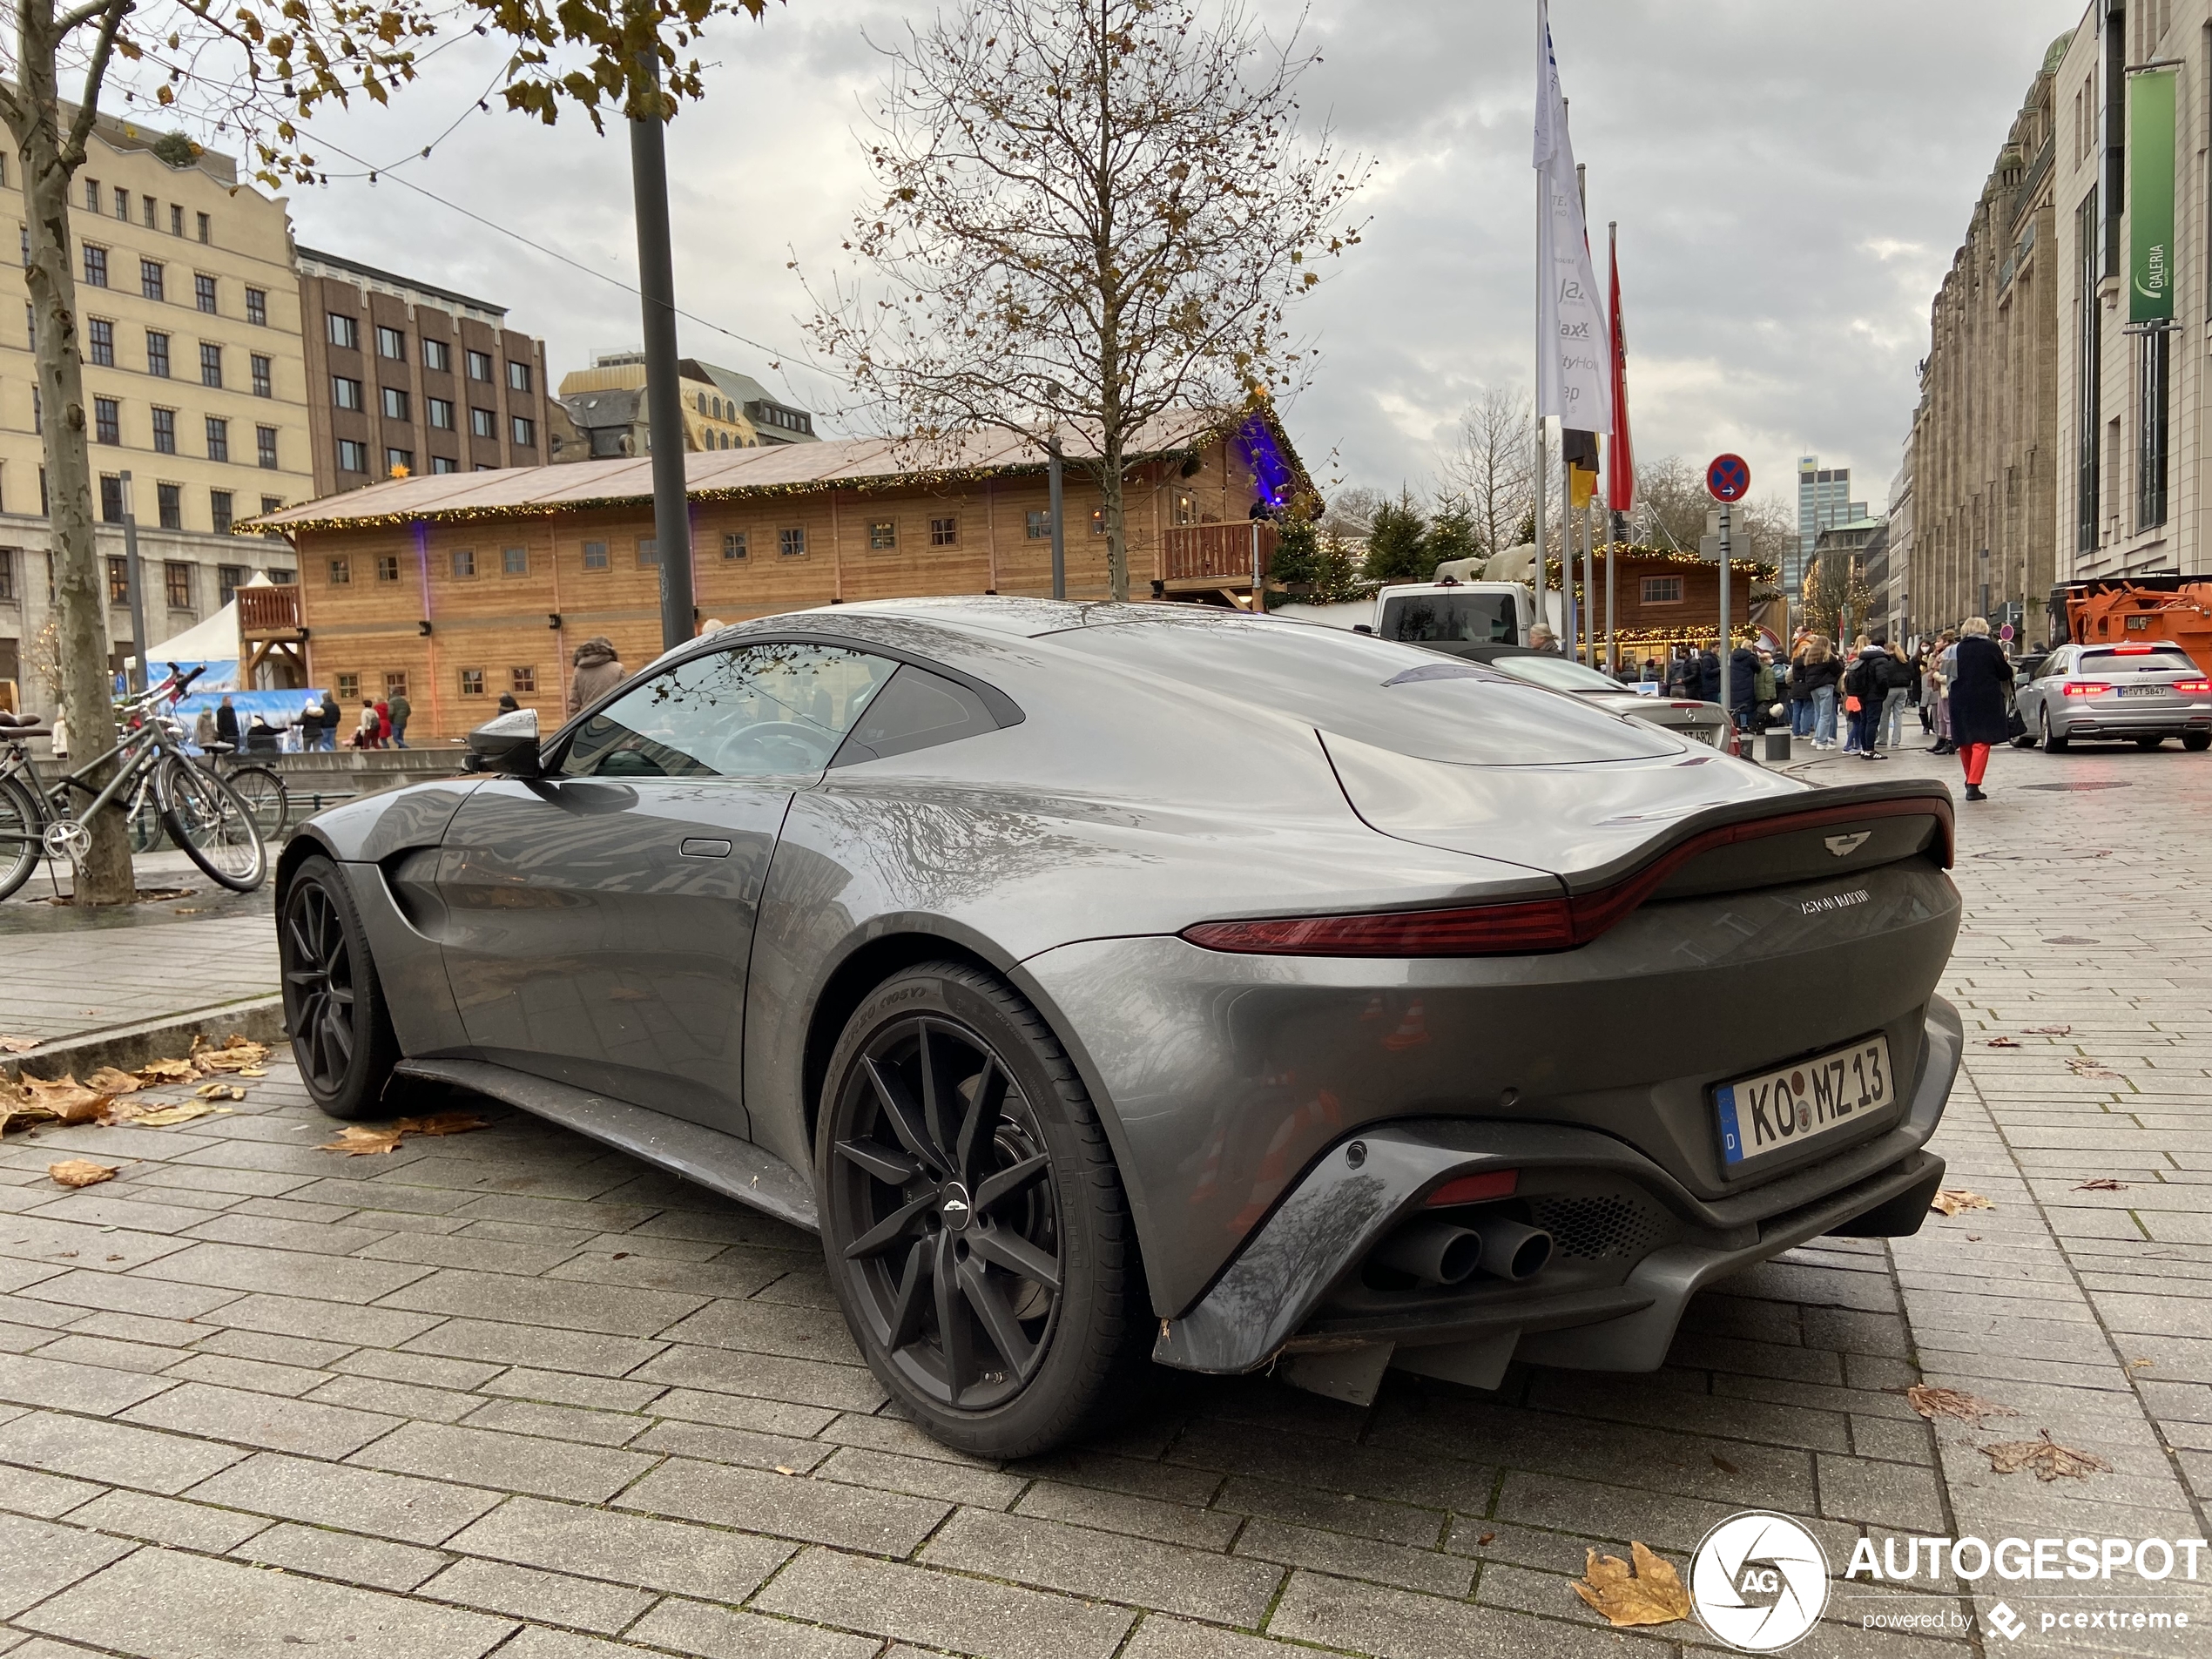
(1743, 686)
(227, 723)
(1704, 681)
(331, 716)
(1977, 690)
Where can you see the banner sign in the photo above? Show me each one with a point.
(2150, 197)
(1573, 362)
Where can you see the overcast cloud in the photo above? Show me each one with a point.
(1791, 181)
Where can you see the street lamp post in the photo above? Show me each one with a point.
(137, 681)
(663, 396)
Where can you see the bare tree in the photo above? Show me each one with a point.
(1351, 512)
(1092, 212)
(254, 68)
(1492, 465)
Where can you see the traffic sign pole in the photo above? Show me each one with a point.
(1728, 479)
(1725, 703)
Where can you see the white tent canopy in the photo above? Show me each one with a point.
(213, 642)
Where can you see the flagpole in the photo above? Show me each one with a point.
(1613, 525)
(1543, 277)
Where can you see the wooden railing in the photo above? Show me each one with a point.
(263, 611)
(1224, 550)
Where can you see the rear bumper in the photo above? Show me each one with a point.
(2121, 721)
(1282, 1294)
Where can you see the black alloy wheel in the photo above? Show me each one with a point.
(975, 1231)
(332, 1006)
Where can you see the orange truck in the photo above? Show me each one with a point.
(2140, 609)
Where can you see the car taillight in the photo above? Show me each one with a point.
(2087, 688)
(2133, 650)
(1470, 930)
(1475, 1188)
(2195, 688)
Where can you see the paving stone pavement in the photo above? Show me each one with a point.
(511, 1391)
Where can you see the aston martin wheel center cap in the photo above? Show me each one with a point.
(953, 1206)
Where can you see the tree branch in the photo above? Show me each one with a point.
(110, 14)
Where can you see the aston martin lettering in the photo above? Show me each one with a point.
(1782, 1110)
(1834, 901)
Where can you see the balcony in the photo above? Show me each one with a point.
(268, 613)
(1217, 556)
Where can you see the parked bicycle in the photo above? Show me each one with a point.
(201, 813)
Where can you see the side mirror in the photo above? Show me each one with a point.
(507, 745)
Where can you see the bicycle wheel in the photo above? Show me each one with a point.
(262, 790)
(144, 815)
(203, 815)
(20, 820)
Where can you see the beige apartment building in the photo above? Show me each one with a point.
(194, 384)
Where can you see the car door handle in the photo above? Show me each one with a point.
(699, 846)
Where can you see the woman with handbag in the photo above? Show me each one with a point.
(1979, 683)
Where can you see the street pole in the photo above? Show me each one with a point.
(139, 679)
(664, 396)
(1620, 522)
(1726, 704)
(1054, 470)
(1589, 593)
(1569, 613)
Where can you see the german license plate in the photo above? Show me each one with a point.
(1779, 1111)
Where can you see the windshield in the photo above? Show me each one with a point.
(1557, 673)
(1458, 618)
(2120, 660)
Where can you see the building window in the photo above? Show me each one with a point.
(1036, 524)
(481, 423)
(146, 208)
(169, 500)
(151, 283)
(219, 438)
(111, 500)
(345, 331)
(944, 532)
(595, 555)
(444, 464)
(7, 575)
(883, 534)
(395, 681)
(790, 542)
(521, 681)
(99, 339)
(2152, 403)
(93, 195)
(349, 686)
(353, 457)
(211, 364)
(2088, 349)
(123, 204)
(207, 233)
(344, 393)
(518, 377)
(390, 342)
(395, 401)
(515, 561)
(264, 380)
(525, 432)
(164, 432)
(107, 420)
(472, 682)
(397, 463)
(176, 220)
(1663, 590)
(479, 366)
(156, 353)
(203, 292)
(270, 504)
(733, 545)
(648, 552)
(342, 573)
(437, 355)
(464, 562)
(265, 446)
(176, 577)
(229, 578)
(119, 581)
(441, 413)
(220, 511)
(95, 265)
(388, 567)
(257, 306)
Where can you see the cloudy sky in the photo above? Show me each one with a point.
(1790, 181)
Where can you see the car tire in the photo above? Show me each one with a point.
(2197, 742)
(2148, 743)
(2053, 743)
(333, 1003)
(990, 1279)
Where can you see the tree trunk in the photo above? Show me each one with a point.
(80, 586)
(1110, 487)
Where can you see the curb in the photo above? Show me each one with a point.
(129, 1047)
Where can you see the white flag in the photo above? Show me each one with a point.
(1573, 365)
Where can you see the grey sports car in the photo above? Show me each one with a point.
(1112, 981)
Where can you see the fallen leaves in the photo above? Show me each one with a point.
(2048, 1030)
(1652, 1595)
(17, 1045)
(156, 1072)
(356, 1140)
(218, 1091)
(1953, 1200)
(1932, 1402)
(81, 1172)
(236, 1055)
(2103, 1184)
(108, 1081)
(41, 1100)
(2044, 1458)
(2000, 1042)
(163, 1116)
(442, 1123)
(2082, 1066)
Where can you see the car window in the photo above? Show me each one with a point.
(1558, 672)
(1463, 619)
(771, 710)
(2124, 660)
(917, 709)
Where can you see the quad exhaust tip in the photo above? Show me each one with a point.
(1511, 1250)
(1442, 1253)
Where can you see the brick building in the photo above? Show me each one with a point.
(460, 588)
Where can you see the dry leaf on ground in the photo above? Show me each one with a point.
(167, 1071)
(234, 1056)
(2048, 1030)
(108, 1081)
(81, 1172)
(442, 1124)
(17, 1045)
(184, 1112)
(2138, 1364)
(1653, 1596)
(2082, 1066)
(2000, 1042)
(2103, 1184)
(354, 1140)
(218, 1091)
(1932, 1403)
(1951, 1200)
(65, 1099)
(2044, 1458)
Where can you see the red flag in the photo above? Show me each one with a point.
(1620, 459)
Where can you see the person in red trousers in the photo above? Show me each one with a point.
(1978, 688)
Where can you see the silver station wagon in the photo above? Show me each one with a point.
(2140, 694)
